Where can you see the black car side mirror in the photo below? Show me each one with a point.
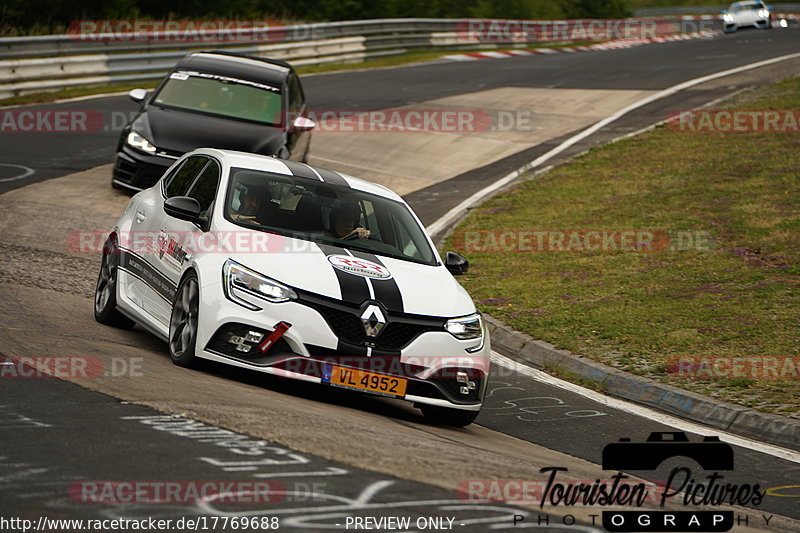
(183, 208)
(456, 264)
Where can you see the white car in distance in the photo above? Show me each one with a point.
(750, 13)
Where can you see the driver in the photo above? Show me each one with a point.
(343, 222)
(250, 204)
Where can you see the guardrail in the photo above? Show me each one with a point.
(714, 9)
(51, 62)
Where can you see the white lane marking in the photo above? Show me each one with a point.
(458, 210)
(645, 412)
(26, 172)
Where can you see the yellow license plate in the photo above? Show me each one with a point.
(359, 379)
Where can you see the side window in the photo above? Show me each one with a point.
(180, 182)
(204, 189)
(168, 177)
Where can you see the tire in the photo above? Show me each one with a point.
(447, 416)
(105, 292)
(183, 323)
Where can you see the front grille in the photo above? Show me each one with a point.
(345, 322)
(378, 363)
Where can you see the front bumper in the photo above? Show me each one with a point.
(137, 171)
(433, 362)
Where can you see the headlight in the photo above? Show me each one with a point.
(240, 281)
(466, 327)
(727, 17)
(763, 13)
(140, 143)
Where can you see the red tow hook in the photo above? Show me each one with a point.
(277, 333)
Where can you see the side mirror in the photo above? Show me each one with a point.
(303, 124)
(137, 95)
(456, 264)
(183, 208)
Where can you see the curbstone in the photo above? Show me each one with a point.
(692, 406)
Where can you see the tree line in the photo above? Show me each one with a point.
(43, 16)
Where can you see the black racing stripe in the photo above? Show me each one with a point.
(386, 290)
(139, 267)
(354, 288)
(300, 170)
(334, 178)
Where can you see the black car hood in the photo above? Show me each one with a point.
(178, 131)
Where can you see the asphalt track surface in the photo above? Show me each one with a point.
(55, 434)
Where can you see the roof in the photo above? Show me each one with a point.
(276, 165)
(268, 71)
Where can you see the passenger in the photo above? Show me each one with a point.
(344, 223)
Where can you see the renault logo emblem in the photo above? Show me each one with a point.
(373, 320)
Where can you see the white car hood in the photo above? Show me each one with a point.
(410, 288)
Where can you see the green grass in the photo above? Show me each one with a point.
(38, 98)
(738, 297)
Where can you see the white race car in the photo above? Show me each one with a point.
(749, 13)
(297, 271)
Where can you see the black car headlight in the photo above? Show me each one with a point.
(241, 282)
(465, 327)
(139, 142)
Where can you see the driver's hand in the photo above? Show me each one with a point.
(363, 233)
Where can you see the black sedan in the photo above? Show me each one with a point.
(219, 100)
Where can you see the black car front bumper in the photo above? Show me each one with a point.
(135, 171)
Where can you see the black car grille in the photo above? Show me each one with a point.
(345, 322)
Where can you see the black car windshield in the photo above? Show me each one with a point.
(313, 210)
(222, 95)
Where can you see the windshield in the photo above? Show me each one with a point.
(746, 7)
(322, 212)
(221, 95)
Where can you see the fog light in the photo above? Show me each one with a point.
(467, 385)
(253, 336)
(243, 344)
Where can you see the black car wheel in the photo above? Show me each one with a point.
(105, 293)
(183, 322)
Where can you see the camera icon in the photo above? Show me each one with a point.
(710, 453)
